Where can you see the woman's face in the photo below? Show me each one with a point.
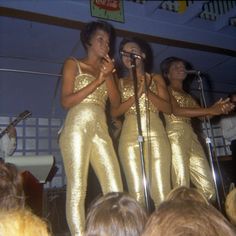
(177, 71)
(99, 43)
(131, 48)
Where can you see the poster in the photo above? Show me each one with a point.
(108, 9)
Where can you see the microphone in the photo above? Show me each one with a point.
(193, 72)
(132, 55)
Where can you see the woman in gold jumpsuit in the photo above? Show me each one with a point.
(157, 154)
(84, 139)
(189, 163)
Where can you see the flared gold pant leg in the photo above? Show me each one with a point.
(189, 162)
(160, 166)
(105, 163)
(201, 174)
(157, 157)
(131, 163)
(76, 163)
(180, 146)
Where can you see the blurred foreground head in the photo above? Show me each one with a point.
(22, 222)
(187, 218)
(11, 187)
(115, 214)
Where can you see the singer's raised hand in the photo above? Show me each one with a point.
(222, 106)
(107, 66)
(144, 84)
(141, 87)
(227, 106)
(148, 80)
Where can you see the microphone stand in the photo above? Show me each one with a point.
(207, 124)
(140, 136)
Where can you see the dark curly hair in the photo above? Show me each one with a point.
(88, 31)
(166, 64)
(144, 47)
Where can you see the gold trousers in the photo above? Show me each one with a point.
(189, 163)
(157, 157)
(85, 140)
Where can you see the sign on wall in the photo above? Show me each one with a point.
(108, 9)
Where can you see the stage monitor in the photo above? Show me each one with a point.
(38, 166)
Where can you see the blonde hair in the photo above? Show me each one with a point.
(182, 218)
(22, 222)
(230, 206)
(11, 187)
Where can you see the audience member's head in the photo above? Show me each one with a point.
(22, 222)
(230, 206)
(188, 194)
(115, 214)
(187, 217)
(11, 187)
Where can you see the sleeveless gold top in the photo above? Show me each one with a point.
(127, 89)
(98, 97)
(184, 100)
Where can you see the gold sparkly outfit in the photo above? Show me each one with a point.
(157, 152)
(189, 162)
(85, 139)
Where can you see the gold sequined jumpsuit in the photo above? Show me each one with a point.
(157, 152)
(85, 139)
(189, 162)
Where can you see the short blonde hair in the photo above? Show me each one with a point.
(230, 206)
(11, 187)
(22, 222)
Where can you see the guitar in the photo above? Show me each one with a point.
(19, 118)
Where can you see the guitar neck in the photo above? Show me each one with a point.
(22, 116)
(13, 123)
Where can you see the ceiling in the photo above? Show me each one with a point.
(37, 36)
